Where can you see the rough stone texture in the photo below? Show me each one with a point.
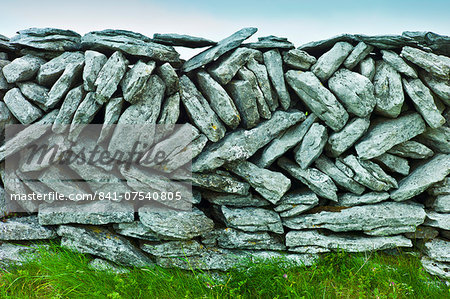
(441, 203)
(273, 62)
(296, 202)
(109, 77)
(130, 43)
(218, 50)
(439, 86)
(422, 177)
(438, 139)
(298, 59)
(242, 144)
(350, 199)
(437, 65)
(318, 182)
(438, 250)
(367, 68)
(329, 62)
(311, 146)
(173, 248)
(230, 238)
(270, 184)
(24, 228)
(388, 89)
(49, 39)
(359, 52)
(105, 266)
(440, 188)
(64, 83)
(234, 200)
(423, 232)
(101, 242)
(384, 135)
(438, 220)
(84, 115)
(23, 110)
(133, 83)
(436, 268)
(172, 39)
(355, 92)
(220, 181)
(318, 99)
(398, 64)
(136, 230)
(411, 149)
(112, 114)
(167, 73)
(93, 63)
(262, 77)
(219, 100)
(341, 141)
(252, 219)
(176, 225)
(50, 71)
(394, 163)
(22, 68)
(270, 42)
(245, 99)
(200, 112)
(68, 109)
(4, 85)
(36, 93)
(424, 102)
(305, 241)
(12, 254)
(380, 219)
(247, 75)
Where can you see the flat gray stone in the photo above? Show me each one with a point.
(351, 199)
(170, 78)
(359, 52)
(317, 181)
(262, 77)
(440, 188)
(128, 42)
(64, 83)
(424, 102)
(177, 225)
(136, 230)
(411, 149)
(22, 69)
(112, 114)
(424, 176)
(270, 42)
(50, 71)
(36, 93)
(170, 111)
(298, 59)
(106, 266)
(242, 144)
(12, 254)
(318, 99)
(274, 65)
(423, 232)
(438, 65)
(439, 86)
(219, 99)
(4, 85)
(230, 238)
(251, 219)
(388, 90)
(110, 75)
(173, 248)
(234, 200)
(84, 114)
(438, 139)
(133, 83)
(392, 217)
(247, 75)
(101, 242)
(188, 41)
(329, 62)
(438, 250)
(23, 110)
(301, 241)
(394, 60)
(246, 102)
(49, 39)
(438, 220)
(222, 47)
(355, 92)
(367, 68)
(341, 141)
(68, 109)
(24, 228)
(394, 163)
(270, 184)
(93, 63)
(311, 146)
(296, 202)
(384, 135)
(436, 268)
(220, 181)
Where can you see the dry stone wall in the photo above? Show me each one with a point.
(338, 144)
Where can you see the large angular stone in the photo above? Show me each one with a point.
(172, 39)
(298, 59)
(422, 177)
(393, 163)
(220, 181)
(109, 77)
(438, 250)
(359, 52)
(440, 188)
(296, 202)
(411, 149)
(325, 165)
(351, 199)
(23, 110)
(306, 241)
(367, 68)
(101, 242)
(339, 142)
(242, 144)
(22, 69)
(252, 219)
(355, 91)
(199, 111)
(94, 62)
(270, 42)
(311, 146)
(262, 76)
(379, 219)
(218, 50)
(173, 248)
(85, 113)
(274, 65)
(270, 184)
(177, 225)
(112, 114)
(388, 90)
(231, 238)
(438, 139)
(439, 86)
(219, 100)
(36, 93)
(133, 83)
(25, 228)
(318, 99)
(12, 254)
(128, 42)
(317, 181)
(438, 65)
(49, 39)
(64, 83)
(329, 62)
(167, 73)
(247, 75)
(385, 134)
(50, 71)
(436, 268)
(68, 109)
(438, 220)
(136, 230)
(398, 64)
(246, 102)
(234, 200)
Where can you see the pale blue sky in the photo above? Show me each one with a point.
(300, 21)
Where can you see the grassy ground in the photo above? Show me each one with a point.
(59, 273)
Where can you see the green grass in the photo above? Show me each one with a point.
(59, 273)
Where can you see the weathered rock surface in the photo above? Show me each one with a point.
(36, 93)
(167, 73)
(12, 254)
(296, 202)
(423, 232)
(359, 52)
(252, 219)
(393, 163)
(441, 203)
(439, 86)
(438, 65)
(270, 42)
(262, 77)
(273, 62)
(134, 80)
(438, 250)
(68, 109)
(22, 68)
(230, 238)
(247, 75)
(411, 149)
(438, 220)
(173, 248)
(24, 228)
(94, 62)
(341, 141)
(109, 77)
(329, 62)
(367, 68)
(234, 200)
(64, 83)
(220, 181)
(106, 266)
(440, 188)
(298, 59)
(136, 230)
(436, 268)
(172, 39)
(398, 64)
(311, 146)
(112, 114)
(351, 199)
(84, 114)
(438, 139)
(23, 110)
(388, 89)
(49, 39)
(245, 99)
(50, 71)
